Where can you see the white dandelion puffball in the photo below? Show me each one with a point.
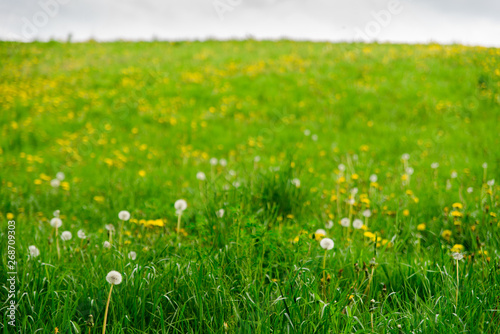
(60, 176)
(491, 182)
(357, 224)
(66, 235)
(405, 157)
(180, 205)
(320, 232)
(124, 215)
(470, 190)
(355, 157)
(81, 234)
(256, 159)
(354, 191)
(220, 213)
(329, 224)
(201, 176)
(307, 132)
(132, 255)
(314, 137)
(114, 277)
(55, 183)
(109, 227)
(373, 178)
(485, 165)
(223, 162)
(351, 201)
(410, 171)
(367, 213)
(236, 184)
(454, 175)
(56, 213)
(56, 222)
(326, 243)
(106, 244)
(34, 251)
(341, 167)
(296, 182)
(434, 165)
(457, 256)
(214, 161)
(345, 222)
(232, 173)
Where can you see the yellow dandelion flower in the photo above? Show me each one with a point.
(354, 176)
(446, 234)
(456, 214)
(10, 216)
(406, 212)
(99, 199)
(421, 227)
(457, 205)
(142, 173)
(457, 248)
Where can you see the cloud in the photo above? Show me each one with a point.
(444, 21)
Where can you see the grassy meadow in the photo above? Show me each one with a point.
(388, 152)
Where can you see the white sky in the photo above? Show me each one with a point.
(470, 22)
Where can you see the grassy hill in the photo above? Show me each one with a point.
(298, 130)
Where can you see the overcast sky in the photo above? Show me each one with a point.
(471, 22)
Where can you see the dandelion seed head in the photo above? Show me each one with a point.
(367, 213)
(345, 222)
(132, 255)
(223, 162)
(214, 161)
(341, 167)
(357, 224)
(180, 205)
(66, 235)
(114, 277)
(405, 157)
(201, 176)
(124, 215)
(220, 213)
(296, 182)
(34, 252)
(457, 256)
(55, 183)
(109, 227)
(434, 165)
(81, 234)
(326, 243)
(56, 222)
(373, 178)
(329, 224)
(106, 244)
(60, 176)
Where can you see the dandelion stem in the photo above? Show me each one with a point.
(324, 273)
(178, 226)
(57, 245)
(456, 298)
(120, 236)
(106, 312)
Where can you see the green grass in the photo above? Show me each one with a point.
(130, 125)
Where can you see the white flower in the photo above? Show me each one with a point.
(314, 137)
(132, 255)
(114, 277)
(124, 215)
(457, 256)
(341, 167)
(55, 183)
(66, 235)
(56, 213)
(357, 224)
(410, 171)
(367, 213)
(296, 182)
(109, 227)
(106, 244)
(201, 176)
(34, 251)
(470, 190)
(180, 205)
(320, 232)
(223, 162)
(56, 222)
(485, 165)
(329, 224)
(307, 132)
(60, 176)
(351, 201)
(491, 182)
(81, 234)
(220, 213)
(354, 191)
(231, 173)
(454, 175)
(236, 184)
(214, 161)
(373, 178)
(326, 243)
(256, 159)
(434, 165)
(405, 157)
(345, 222)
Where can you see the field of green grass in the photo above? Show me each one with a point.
(279, 149)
